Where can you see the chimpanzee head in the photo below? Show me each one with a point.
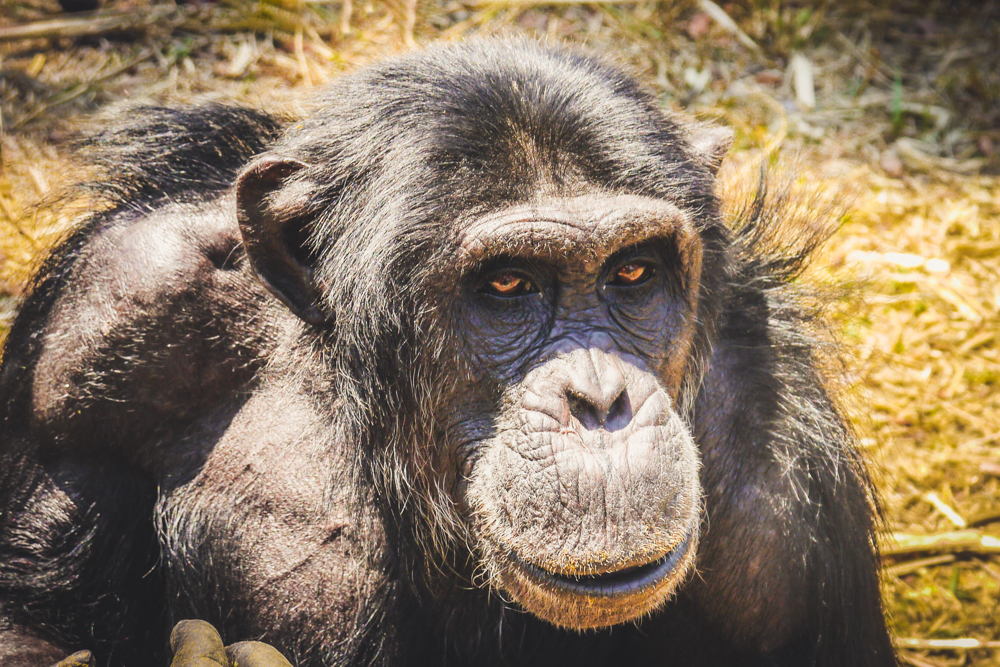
(504, 254)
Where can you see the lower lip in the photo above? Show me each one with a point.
(614, 584)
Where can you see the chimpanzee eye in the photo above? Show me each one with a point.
(631, 274)
(508, 284)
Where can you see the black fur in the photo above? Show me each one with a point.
(117, 519)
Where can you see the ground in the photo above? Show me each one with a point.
(894, 105)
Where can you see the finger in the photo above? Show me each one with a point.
(255, 654)
(197, 644)
(78, 659)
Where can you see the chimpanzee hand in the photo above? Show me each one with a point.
(198, 644)
(78, 659)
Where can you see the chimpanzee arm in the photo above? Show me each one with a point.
(788, 559)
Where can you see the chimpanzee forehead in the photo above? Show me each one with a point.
(503, 120)
(588, 228)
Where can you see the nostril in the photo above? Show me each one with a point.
(586, 412)
(619, 414)
(593, 416)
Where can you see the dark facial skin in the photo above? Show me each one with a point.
(466, 368)
(587, 455)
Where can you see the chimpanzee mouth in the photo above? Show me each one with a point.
(626, 581)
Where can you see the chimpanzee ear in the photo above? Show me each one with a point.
(275, 215)
(710, 143)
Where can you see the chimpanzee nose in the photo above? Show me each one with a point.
(593, 415)
(596, 392)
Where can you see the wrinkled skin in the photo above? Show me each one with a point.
(589, 470)
(464, 369)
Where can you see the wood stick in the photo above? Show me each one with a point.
(92, 23)
(911, 566)
(534, 3)
(939, 644)
(965, 541)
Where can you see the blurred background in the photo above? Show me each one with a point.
(892, 105)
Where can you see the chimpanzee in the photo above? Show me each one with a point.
(465, 368)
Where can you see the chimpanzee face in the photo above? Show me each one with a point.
(576, 318)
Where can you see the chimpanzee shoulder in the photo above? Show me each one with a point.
(155, 281)
(150, 282)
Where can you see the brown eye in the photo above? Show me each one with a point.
(631, 274)
(508, 284)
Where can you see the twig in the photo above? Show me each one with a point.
(300, 57)
(912, 566)
(409, 21)
(884, 73)
(944, 508)
(94, 23)
(984, 519)
(990, 570)
(914, 661)
(966, 541)
(345, 17)
(938, 644)
(64, 96)
(720, 16)
(533, 3)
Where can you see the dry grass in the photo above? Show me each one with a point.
(906, 115)
(928, 356)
